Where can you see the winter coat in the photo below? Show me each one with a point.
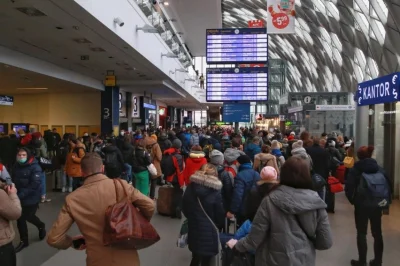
(265, 159)
(10, 210)
(164, 143)
(8, 150)
(79, 208)
(280, 159)
(194, 139)
(334, 153)
(73, 165)
(27, 180)
(119, 164)
(202, 236)
(252, 150)
(192, 164)
(276, 234)
(141, 159)
(155, 154)
(245, 180)
(320, 160)
(369, 166)
(127, 153)
(227, 177)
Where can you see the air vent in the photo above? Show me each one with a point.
(97, 49)
(30, 11)
(81, 40)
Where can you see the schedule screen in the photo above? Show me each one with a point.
(237, 84)
(232, 46)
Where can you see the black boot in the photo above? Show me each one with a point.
(21, 246)
(42, 233)
(374, 263)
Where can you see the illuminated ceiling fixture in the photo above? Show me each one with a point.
(147, 29)
(169, 55)
(165, 3)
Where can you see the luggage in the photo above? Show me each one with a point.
(340, 173)
(227, 253)
(334, 185)
(164, 200)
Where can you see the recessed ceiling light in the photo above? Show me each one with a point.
(30, 11)
(110, 57)
(32, 88)
(65, 57)
(59, 28)
(97, 49)
(75, 27)
(81, 40)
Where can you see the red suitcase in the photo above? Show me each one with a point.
(340, 173)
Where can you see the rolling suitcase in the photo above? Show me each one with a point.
(164, 200)
(227, 253)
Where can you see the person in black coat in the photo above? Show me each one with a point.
(204, 191)
(113, 160)
(320, 158)
(164, 142)
(127, 154)
(8, 150)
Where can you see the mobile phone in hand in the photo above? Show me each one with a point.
(77, 243)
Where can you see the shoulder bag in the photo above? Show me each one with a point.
(216, 261)
(125, 227)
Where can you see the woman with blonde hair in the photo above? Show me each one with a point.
(202, 205)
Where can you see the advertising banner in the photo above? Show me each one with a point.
(282, 16)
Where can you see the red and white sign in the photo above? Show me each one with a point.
(252, 65)
(282, 16)
(258, 23)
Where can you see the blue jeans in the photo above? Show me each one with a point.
(43, 183)
(128, 172)
(64, 180)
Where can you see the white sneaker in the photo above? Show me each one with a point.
(63, 190)
(70, 189)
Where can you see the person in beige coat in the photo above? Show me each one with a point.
(10, 210)
(156, 155)
(265, 158)
(86, 206)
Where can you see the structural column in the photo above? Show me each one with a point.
(362, 126)
(110, 110)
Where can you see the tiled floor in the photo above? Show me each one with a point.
(165, 253)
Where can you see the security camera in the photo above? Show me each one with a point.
(119, 21)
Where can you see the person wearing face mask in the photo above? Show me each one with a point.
(27, 178)
(73, 162)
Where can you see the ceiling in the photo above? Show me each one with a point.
(193, 18)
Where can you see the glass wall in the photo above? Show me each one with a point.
(200, 118)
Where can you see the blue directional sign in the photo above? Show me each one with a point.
(380, 90)
(236, 112)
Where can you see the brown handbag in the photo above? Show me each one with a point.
(125, 227)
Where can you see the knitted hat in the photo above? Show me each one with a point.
(244, 159)
(297, 144)
(292, 133)
(177, 144)
(348, 144)
(216, 157)
(269, 175)
(275, 144)
(231, 155)
(332, 143)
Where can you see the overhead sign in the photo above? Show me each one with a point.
(295, 109)
(237, 84)
(6, 100)
(282, 17)
(230, 46)
(307, 99)
(122, 104)
(135, 106)
(335, 108)
(236, 112)
(257, 23)
(380, 90)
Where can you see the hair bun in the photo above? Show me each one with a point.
(371, 149)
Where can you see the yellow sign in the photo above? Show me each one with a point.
(110, 81)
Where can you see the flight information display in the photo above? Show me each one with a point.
(237, 84)
(232, 46)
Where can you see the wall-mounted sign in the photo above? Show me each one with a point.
(335, 108)
(122, 104)
(236, 112)
(295, 109)
(281, 17)
(257, 23)
(135, 106)
(216, 123)
(6, 100)
(380, 90)
(307, 99)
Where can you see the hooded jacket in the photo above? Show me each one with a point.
(119, 164)
(276, 234)
(369, 166)
(252, 150)
(10, 210)
(195, 139)
(203, 237)
(27, 179)
(164, 143)
(231, 155)
(265, 159)
(192, 164)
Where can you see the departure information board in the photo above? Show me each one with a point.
(232, 46)
(237, 84)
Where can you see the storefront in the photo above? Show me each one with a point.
(378, 123)
(162, 116)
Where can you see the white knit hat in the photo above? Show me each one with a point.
(297, 144)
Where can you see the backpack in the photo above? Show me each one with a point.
(375, 190)
(172, 167)
(262, 165)
(111, 160)
(62, 152)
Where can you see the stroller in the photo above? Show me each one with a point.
(231, 257)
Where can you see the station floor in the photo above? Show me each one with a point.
(165, 252)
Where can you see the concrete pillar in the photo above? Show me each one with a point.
(362, 126)
(110, 110)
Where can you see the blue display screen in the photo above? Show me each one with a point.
(232, 46)
(237, 84)
(236, 112)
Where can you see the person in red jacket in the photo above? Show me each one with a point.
(25, 138)
(194, 162)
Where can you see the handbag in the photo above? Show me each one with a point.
(125, 227)
(182, 241)
(216, 261)
(152, 169)
(318, 181)
(334, 185)
(348, 162)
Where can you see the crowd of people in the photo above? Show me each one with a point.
(268, 183)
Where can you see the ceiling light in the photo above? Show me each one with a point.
(81, 40)
(119, 21)
(147, 29)
(169, 55)
(32, 88)
(97, 49)
(165, 3)
(30, 11)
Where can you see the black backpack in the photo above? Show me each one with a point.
(111, 160)
(62, 152)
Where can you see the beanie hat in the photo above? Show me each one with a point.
(292, 133)
(297, 144)
(231, 155)
(243, 159)
(365, 152)
(268, 175)
(332, 143)
(177, 144)
(216, 157)
(275, 145)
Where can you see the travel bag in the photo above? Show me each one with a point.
(164, 200)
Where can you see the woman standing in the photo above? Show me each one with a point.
(194, 162)
(291, 222)
(141, 159)
(265, 158)
(202, 205)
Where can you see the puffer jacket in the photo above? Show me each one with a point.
(10, 210)
(252, 150)
(227, 177)
(265, 159)
(276, 234)
(195, 139)
(203, 237)
(27, 179)
(245, 180)
(164, 143)
(192, 164)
